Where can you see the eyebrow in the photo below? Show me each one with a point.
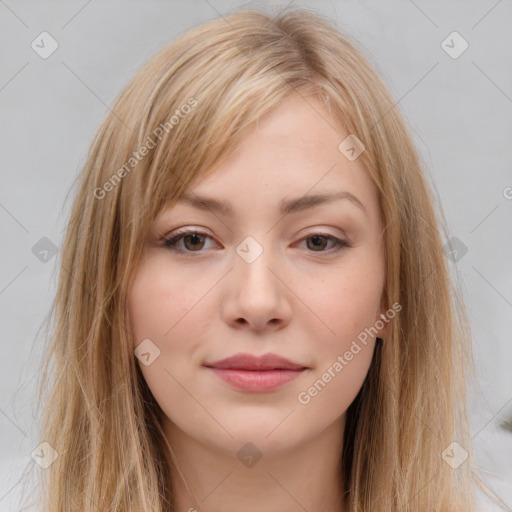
(286, 206)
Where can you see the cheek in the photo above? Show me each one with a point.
(160, 314)
(159, 304)
(346, 300)
(347, 303)
(147, 305)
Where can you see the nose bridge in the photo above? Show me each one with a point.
(251, 249)
(254, 257)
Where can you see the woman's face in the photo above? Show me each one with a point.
(262, 280)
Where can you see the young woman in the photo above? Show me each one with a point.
(254, 310)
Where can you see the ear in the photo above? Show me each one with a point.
(382, 321)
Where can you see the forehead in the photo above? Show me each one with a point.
(288, 164)
(297, 149)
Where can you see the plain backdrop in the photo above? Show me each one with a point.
(458, 108)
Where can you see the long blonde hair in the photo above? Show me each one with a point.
(195, 101)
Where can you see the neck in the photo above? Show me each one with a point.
(305, 477)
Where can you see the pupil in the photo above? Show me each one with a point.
(317, 238)
(195, 237)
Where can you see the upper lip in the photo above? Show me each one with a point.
(251, 362)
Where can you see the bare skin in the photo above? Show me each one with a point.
(301, 298)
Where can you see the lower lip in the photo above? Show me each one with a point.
(254, 380)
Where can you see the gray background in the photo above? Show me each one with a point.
(459, 111)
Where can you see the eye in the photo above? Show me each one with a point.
(319, 241)
(193, 241)
(192, 236)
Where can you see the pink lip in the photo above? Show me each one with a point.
(251, 373)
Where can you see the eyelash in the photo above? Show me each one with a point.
(171, 242)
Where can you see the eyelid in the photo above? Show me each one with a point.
(179, 234)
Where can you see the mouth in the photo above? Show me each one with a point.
(256, 374)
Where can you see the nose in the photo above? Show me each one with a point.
(257, 295)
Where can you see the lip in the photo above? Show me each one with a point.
(256, 374)
(250, 362)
